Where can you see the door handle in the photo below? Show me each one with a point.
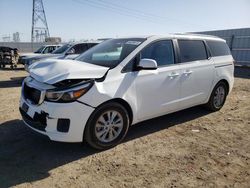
(187, 72)
(173, 75)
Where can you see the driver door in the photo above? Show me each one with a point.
(158, 91)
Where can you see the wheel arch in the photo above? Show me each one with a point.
(214, 85)
(225, 82)
(125, 104)
(122, 102)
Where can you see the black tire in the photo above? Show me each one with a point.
(211, 105)
(91, 127)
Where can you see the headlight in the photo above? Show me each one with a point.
(35, 59)
(27, 61)
(68, 95)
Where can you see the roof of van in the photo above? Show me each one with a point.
(85, 42)
(52, 45)
(180, 36)
(197, 36)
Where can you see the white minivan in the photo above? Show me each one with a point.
(123, 81)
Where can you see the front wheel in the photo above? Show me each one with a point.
(107, 126)
(218, 97)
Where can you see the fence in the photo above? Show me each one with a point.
(237, 39)
(239, 42)
(23, 46)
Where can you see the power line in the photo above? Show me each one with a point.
(125, 9)
(145, 13)
(137, 14)
(124, 13)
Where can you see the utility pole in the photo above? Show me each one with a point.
(40, 29)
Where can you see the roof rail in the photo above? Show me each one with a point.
(194, 34)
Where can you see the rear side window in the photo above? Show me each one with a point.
(192, 50)
(161, 51)
(218, 48)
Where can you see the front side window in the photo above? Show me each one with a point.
(80, 48)
(49, 49)
(162, 52)
(192, 50)
(46, 50)
(111, 52)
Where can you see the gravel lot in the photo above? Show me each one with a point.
(191, 148)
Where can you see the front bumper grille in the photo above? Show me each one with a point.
(38, 122)
(21, 61)
(31, 94)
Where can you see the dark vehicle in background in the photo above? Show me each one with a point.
(67, 51)
(8, 56)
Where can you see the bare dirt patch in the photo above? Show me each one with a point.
(191, 148)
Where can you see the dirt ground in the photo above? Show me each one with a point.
(191, 148)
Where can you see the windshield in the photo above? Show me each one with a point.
(62, 49)
(111, 52)
(39, 50)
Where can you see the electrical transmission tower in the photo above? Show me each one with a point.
(40, 29)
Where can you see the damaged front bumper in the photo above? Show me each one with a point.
(59, 121)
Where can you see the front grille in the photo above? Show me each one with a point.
(21, 61)
(32, 94)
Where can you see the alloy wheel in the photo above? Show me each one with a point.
(108, 126)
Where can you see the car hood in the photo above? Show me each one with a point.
(52, 71)
(29, 55)
(43, 56)
(26, 54)
(73, 56)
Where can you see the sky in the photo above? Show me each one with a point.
(92, 19)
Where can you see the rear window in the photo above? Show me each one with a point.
(218, 48)
(192, 50)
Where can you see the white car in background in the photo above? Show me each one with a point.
(123, 81)
(67, 51)
(45, 49)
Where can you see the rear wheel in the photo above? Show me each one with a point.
(107, 126)
(218, 97)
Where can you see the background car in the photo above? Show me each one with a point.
(67, 51)
(45, 49)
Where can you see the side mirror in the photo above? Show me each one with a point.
(147, 64)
